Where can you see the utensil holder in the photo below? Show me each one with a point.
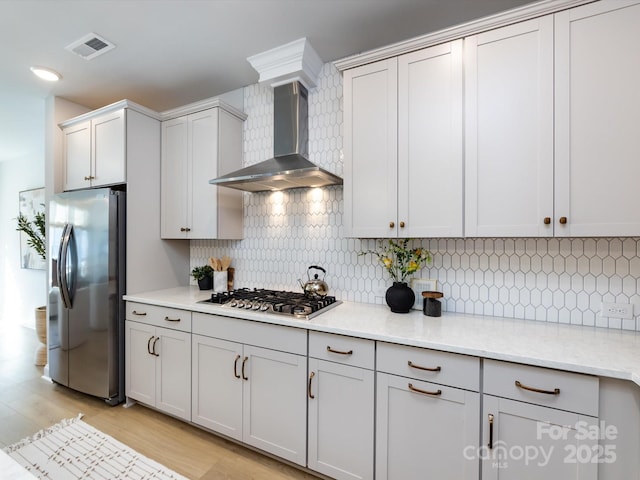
(220, 281)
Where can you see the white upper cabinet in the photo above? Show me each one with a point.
(95, 151)
(551, 105)
(597, 51)
(403, 145)
(370, 149)
(174, 178)
(430, 142)
(550, 143)
(196, 148)
(77, 155)
(509, 131)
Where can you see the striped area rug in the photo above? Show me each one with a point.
(72, 449)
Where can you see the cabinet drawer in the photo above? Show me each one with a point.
(575, 392)
(342, 349)
(274, 337)
(172, 318)
(444, 368)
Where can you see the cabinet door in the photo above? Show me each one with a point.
(421, 433)
(430, 182)
(217, 385)
(173, 179)
(173, 372)
(77, 156)
(203, 159)
(341, 419)
(527, 441)
(108, 165)
(597, 52)
(140, 363)
(275, 403)
(509, 131)
(370, 150)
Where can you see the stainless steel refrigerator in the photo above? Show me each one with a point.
(86, 310)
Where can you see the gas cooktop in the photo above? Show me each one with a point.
(291, 304)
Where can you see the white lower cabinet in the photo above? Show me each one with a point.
(158, 364)
(246, 386)
(217, 389)
(539, 424)
(425, 429)
(341, 392)
(351, 408)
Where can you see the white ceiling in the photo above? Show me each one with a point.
(173, 52)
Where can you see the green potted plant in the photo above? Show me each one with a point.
(400, 261)
(204, 275)
(35, 231)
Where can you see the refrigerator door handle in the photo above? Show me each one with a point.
(59, 263)
(63, 280)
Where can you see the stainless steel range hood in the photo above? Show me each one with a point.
(290, 167)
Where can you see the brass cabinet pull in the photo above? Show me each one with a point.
(167, 319)
(563, 220)
(392, 225)
(90, 177)
(185, 229)
(141, 314)
(149, 345)
(235, 366)
(425, 392)
(434, 369)
(555, 391)
(401, 224)
(547, 220)
(153, 347)
(339, 352)
(311, 375)
(244, 361)
(490, 431)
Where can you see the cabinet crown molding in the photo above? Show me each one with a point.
(295, 61)
(456, 32)
(111, 108)
(200, 106)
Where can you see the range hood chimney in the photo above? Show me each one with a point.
(289, 167)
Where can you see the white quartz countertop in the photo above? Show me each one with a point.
(591, 350)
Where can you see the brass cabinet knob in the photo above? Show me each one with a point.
(185, 229)
(401, 224)
(547, 220)
(563, 220)
(392, 225)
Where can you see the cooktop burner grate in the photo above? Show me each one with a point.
(293, 304)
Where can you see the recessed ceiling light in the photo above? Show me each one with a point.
(46, 74)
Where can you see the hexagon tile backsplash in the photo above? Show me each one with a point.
(553, 280)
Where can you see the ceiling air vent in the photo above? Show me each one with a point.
(90, 46)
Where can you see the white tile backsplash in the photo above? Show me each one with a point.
(552, 280)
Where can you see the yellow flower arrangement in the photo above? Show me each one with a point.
(399, 260)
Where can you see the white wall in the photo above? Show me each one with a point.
(21, 168)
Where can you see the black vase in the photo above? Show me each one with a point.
(400, 297)
(205, 283)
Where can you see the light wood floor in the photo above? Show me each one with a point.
(28, 403)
